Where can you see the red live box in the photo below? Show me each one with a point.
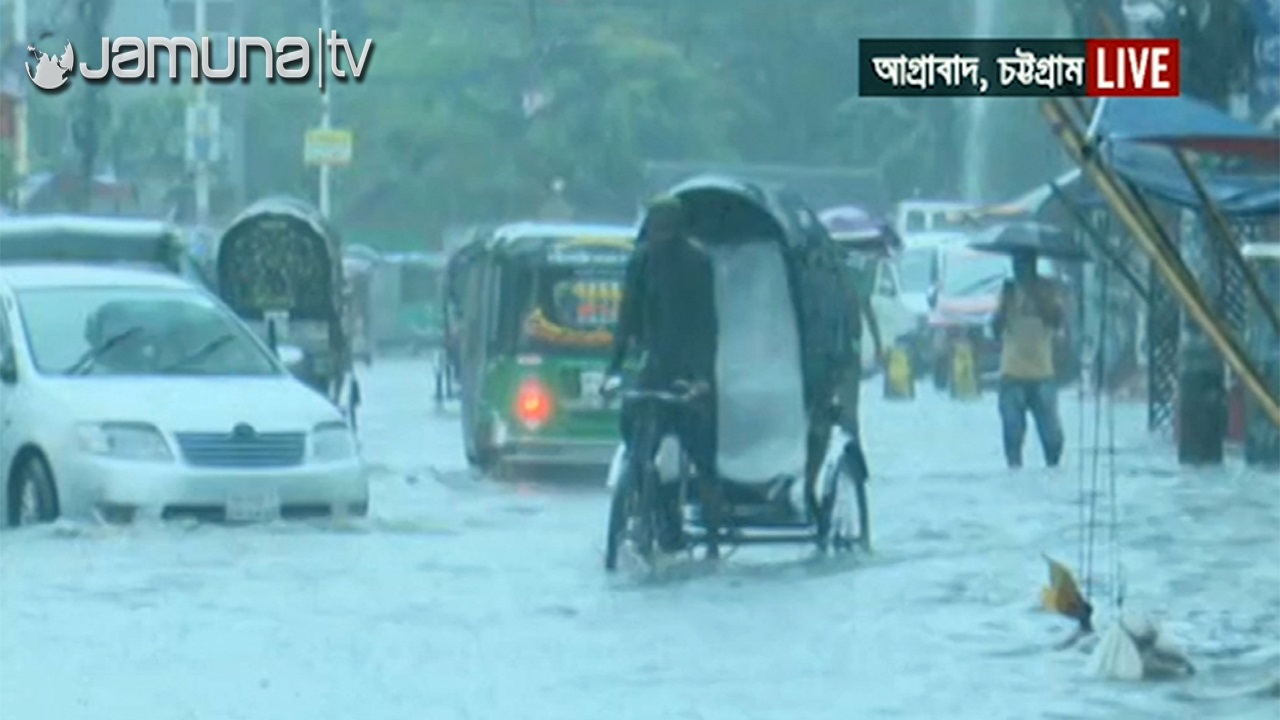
(1133, 68)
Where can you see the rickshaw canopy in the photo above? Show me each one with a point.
(723, 210)
(280, 254)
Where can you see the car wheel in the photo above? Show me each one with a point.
(32, 498)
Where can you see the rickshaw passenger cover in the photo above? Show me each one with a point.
(783, 334)
(280, 255)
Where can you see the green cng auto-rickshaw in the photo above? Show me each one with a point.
(539, 303)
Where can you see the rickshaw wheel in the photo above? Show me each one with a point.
(864, 514)
(831, 536)
(630, 520)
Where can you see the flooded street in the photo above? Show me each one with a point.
(463, 599)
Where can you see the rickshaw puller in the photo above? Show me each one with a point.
(668, 313)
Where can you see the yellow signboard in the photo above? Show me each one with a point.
(328, 147)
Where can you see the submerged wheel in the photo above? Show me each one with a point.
(32, 495)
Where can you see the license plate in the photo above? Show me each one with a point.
(253, 507)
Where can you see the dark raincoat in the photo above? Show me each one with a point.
(668, 313)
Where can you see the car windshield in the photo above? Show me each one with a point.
(136, 332)
(915, 269)
(572, 308)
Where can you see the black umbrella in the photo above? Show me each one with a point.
(1028, 237)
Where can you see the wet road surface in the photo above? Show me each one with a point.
(465, 599)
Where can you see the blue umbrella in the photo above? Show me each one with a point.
(1182, 122)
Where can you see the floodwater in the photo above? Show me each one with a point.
(472, 599)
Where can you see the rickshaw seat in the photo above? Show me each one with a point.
(762, 426)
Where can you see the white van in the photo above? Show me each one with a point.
(917, 216)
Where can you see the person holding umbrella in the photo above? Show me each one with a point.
(1030, 313)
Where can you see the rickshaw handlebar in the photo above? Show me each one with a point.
(682, 393)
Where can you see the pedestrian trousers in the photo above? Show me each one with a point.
(1039, 398)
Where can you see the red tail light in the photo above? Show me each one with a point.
(534, 404)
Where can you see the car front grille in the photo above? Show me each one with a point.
(224, 450)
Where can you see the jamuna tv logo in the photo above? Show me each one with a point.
(133, 59)
(51, 72)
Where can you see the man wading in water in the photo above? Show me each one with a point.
(1029, 315)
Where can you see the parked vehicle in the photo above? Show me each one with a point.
(152, 244)
(406, 297)
(963, 300)
(912, 217)
(540, 303)
(917, 276)
(125, 392)
(280, 270)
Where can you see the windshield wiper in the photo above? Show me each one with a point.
(200, 353)
(86, 361)
(979, 284)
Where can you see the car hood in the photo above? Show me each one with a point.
(269, 404)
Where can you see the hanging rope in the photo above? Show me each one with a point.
(1080, 445)
(1089, 507)
(1117, 569)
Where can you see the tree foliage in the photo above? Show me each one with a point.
(471, 108)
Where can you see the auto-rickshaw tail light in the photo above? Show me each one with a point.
(534, 404)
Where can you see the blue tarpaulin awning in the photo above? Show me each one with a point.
(1182, 122)
(1155, 171)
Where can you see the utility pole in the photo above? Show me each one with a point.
(22, 145)
(202, 125)
(84, 128)
(326, 118)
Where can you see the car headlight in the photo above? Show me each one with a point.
(332, 441)
(124, 440)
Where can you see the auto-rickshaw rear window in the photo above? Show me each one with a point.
(573, 300)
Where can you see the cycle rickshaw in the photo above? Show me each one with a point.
(778, 471)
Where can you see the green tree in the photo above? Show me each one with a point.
(443, 127)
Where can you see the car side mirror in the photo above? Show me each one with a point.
(8, 368)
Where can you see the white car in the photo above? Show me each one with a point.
(127, 393)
